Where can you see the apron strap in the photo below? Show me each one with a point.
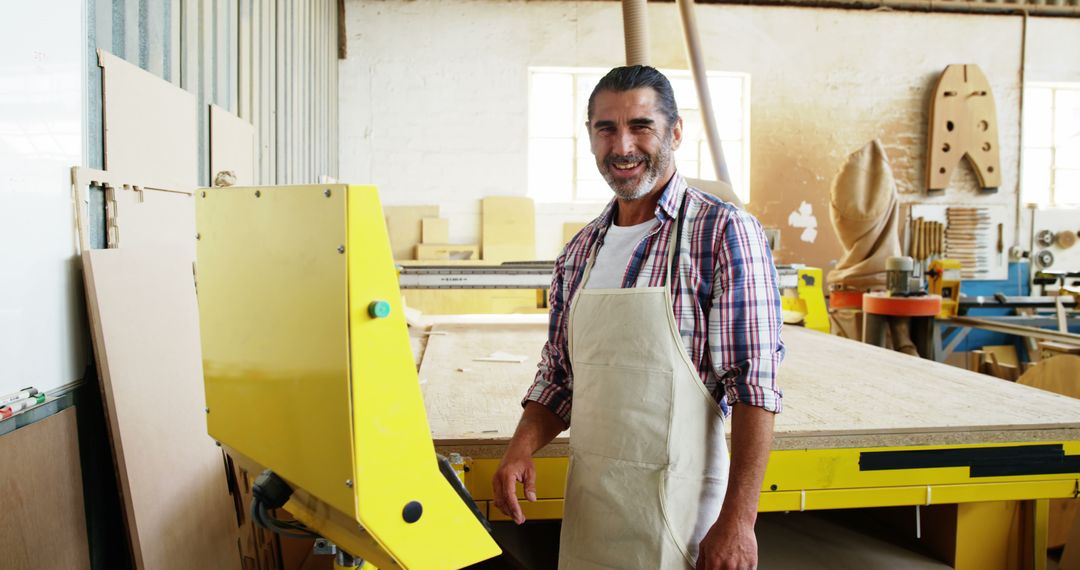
(673, 247)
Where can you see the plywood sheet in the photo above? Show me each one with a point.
(837, 393)
(404, 226)
(144, 324)
(149, 218)
(232, 147)
(509, 229)
(435, 230)
(570, 229)
(136, 213)
(150, 125)
(43, 523)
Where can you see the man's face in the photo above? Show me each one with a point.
(632, 142)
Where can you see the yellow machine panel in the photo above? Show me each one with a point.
(943, 278)
(309, 373)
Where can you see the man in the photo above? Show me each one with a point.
(664, 310)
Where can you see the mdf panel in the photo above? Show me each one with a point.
(43, 523)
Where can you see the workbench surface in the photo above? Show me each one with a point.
(838, 393)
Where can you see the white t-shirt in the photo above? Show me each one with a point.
(614, 255)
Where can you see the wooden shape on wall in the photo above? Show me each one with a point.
(43, 523)
(232, 147)
(404, 226)
(509, 229)
(963, 123)
(145, 327)
(150, 125)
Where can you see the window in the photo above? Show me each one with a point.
(561, 164)
(1050, 174)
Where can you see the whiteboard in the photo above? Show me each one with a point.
(43, 328)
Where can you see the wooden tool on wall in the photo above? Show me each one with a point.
(963, 122)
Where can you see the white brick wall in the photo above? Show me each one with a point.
(434, 96)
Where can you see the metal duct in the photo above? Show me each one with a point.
(636, 31)
(701, 83)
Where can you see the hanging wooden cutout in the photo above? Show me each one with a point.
(963, 122)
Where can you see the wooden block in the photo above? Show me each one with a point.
(151, 125)
(1005, 353)
(447, 251)
(403, 223)
(570, 229)
(43, 523)
(1050, 348)
(509, 229)
(472, 301)
(145, 328)
(434, 230)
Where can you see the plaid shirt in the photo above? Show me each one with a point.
(726, 301)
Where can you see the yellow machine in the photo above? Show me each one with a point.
(309, 373)
(803, 296)
(943, 279)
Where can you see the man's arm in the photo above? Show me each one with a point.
(538, 426)
(744, 340)
(547, 408)
(731, 542)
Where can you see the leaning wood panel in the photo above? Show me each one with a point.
(150, 125)
(232, 147)
(837, 393)
(42, 524)
(144, 323)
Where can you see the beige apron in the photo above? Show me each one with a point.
(648, 459)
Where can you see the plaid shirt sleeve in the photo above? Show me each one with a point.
(745, 318)
(554, 384)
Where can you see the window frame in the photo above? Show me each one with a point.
(1053, 200)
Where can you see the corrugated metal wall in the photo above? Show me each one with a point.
(272, 62)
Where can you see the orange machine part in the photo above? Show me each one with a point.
(883, 304)
(845, 299)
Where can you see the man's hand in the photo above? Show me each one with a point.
(512, 469)
(538, 426)
(728, 546)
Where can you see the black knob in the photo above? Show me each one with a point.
(412, 511)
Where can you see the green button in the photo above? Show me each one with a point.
(379, 309)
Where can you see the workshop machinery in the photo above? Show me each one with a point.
(310, 379)
(861, 427)
(802, 293)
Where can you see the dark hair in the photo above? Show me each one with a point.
(631, 77)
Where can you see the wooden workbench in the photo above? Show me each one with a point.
(862, 427)
(838, 393)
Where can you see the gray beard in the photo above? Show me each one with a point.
(653, 170)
